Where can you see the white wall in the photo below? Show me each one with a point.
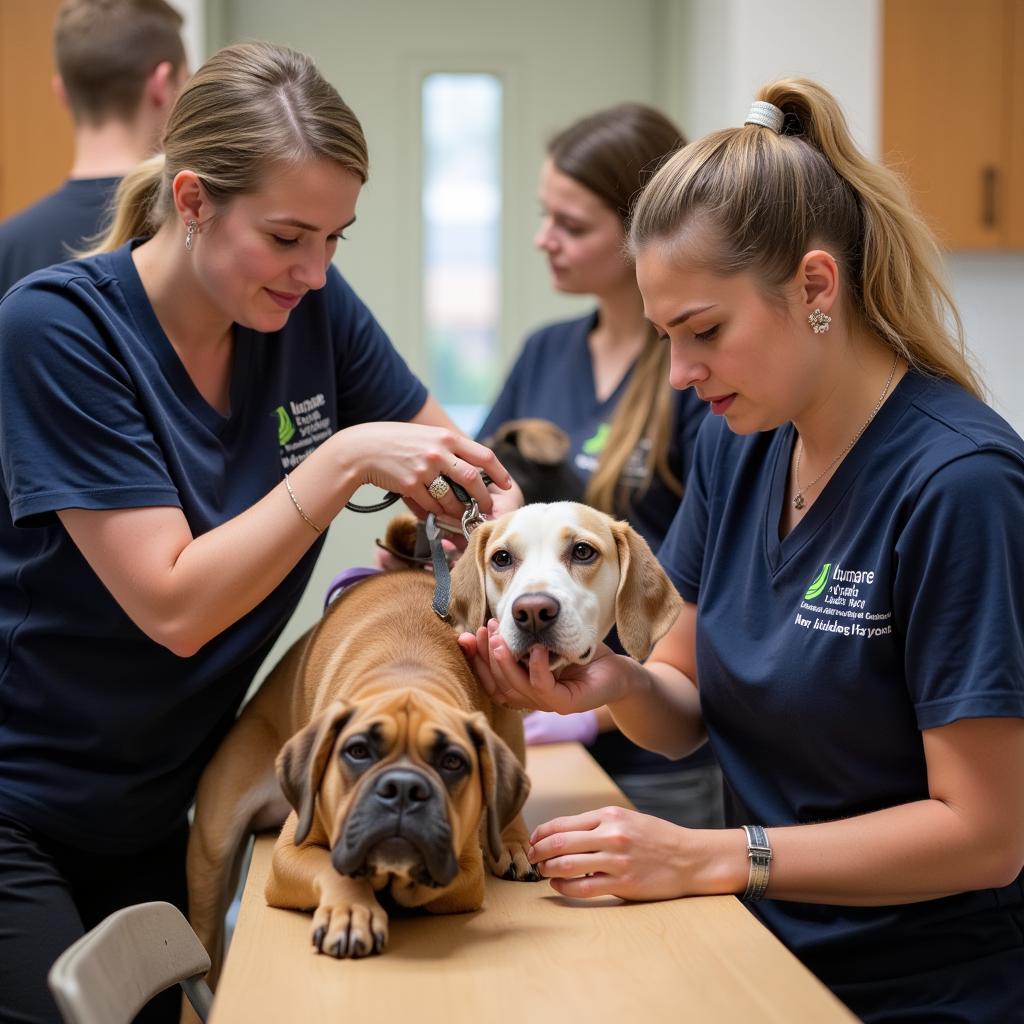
(724, 49)
(194, 13)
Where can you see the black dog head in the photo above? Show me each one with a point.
(535, 452)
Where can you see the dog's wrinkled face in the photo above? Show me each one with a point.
(561, 575)
(397, 784)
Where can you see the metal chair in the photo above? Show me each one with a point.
(112, 971)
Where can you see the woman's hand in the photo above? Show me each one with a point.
(618, 852)
(605, 678)
(407, 457)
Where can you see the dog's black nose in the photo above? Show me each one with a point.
(402, 789)
(534, 613)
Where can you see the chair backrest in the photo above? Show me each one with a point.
(112, 971)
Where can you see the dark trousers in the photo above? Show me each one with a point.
(51, 894)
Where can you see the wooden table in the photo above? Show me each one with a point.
(530, 955)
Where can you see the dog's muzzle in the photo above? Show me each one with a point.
(400, 826)
(536, 619)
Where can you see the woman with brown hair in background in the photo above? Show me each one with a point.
(603, 379)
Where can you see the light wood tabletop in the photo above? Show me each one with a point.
(529, 954)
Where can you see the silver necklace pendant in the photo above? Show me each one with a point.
(798, 501)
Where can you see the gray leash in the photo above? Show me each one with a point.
(471, 519)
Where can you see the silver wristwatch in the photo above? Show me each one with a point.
(759, 853)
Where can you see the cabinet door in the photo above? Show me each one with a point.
(945, 113)
(1015, 179)
(35, 130)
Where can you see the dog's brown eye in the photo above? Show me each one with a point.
(357, 751)
(453, 762)
(583, 552)
(501, 559)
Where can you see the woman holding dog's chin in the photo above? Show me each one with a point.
(849, 550)
(183, 414)
(630, 436)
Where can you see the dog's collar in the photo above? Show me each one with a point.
(345, 579)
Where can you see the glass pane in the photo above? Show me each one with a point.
(461, 240)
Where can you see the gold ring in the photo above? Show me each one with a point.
(438, 488)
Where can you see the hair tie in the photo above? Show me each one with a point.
(767, 115)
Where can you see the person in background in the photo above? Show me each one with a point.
(603, 378)
(182, 416)
(849, 550)
(120, 66)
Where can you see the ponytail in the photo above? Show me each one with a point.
(137, 207)
(766, 197)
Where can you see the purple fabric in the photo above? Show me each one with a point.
(551, 727)
(345, 579)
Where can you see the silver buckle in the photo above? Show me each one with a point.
(471, 518)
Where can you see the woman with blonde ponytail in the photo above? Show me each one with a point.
(849, 550)
(603, 378)
(183, 415)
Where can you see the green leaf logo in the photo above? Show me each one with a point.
(595, 445)
(819, 584)
(285, 427)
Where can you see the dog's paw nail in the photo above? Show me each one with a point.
(378, 942)
(511, 872)
(318, 939)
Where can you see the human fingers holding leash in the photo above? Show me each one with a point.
(418, 461)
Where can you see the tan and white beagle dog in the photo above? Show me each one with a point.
(561, 575)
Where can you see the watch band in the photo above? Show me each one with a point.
(759, 853)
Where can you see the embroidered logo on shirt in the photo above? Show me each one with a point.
(285, 427)
(634, 472)
(595, 445)
(815, 589)
(301, 426)
(841, 606)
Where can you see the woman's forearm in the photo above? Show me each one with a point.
(906, 854)
(662, 710)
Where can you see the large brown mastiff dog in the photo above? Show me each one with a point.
(394, 769)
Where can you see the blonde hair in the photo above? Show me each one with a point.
(250, 106)
(612, 153)
(748, 199)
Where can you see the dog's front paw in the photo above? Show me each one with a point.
(350, 929)
(513, 863)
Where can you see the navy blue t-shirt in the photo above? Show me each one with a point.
(896, 605)
(553, 378)
(103, 732)
(49, 230)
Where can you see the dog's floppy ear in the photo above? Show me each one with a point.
(468, 608)
(303, 760)
(538, 440)
(505, 784)
(646, 603)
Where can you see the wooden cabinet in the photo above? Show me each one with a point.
(36, 143)
(953, 115)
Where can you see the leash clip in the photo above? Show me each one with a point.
(471, 518)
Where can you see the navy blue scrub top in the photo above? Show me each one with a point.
(895, 605)
(103, 732)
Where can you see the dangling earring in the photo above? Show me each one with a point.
(819, 321)
(190, 232)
